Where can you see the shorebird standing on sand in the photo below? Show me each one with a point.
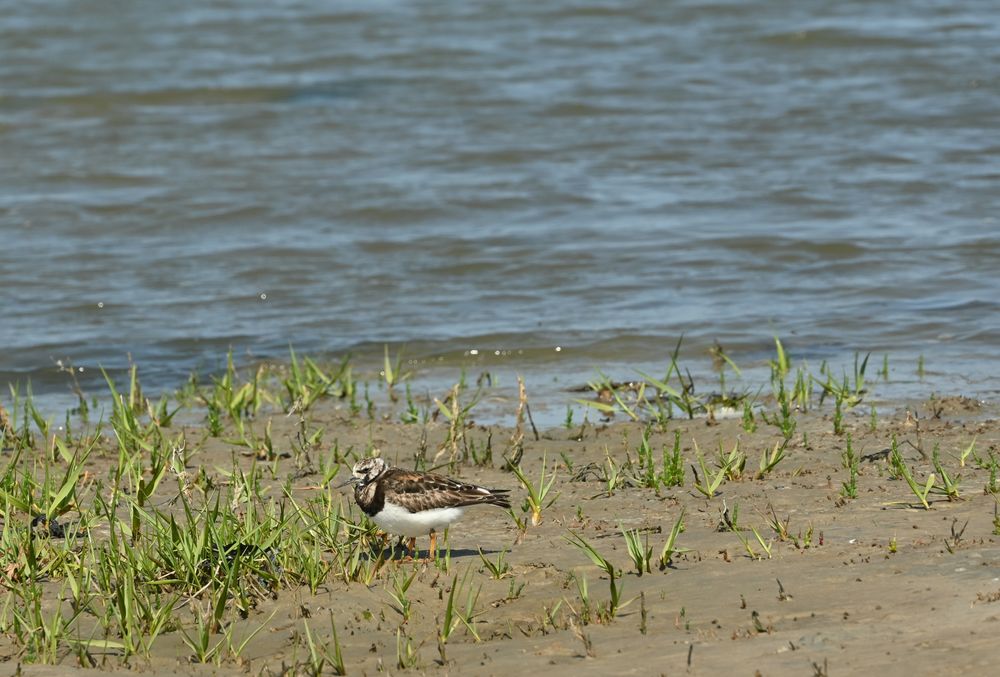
(409, 503)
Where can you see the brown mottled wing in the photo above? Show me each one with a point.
(417, 491)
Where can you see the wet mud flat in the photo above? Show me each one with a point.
(818, 552)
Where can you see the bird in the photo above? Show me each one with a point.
(410, 503)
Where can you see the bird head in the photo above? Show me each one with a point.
(366, 471)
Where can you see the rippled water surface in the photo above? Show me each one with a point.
(176, 179)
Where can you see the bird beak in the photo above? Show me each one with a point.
(351, 480)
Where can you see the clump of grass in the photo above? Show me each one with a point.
(669, 473)
(392, 372)
(779, 528)
(321, 655)
(307, 382)
(769, 460)
(672, 473)
(765, 545)
(412, 414)
(455, 615)
(481, 454)
(609, 611)
(12, 435)
(587, 609)
(992, 487)
(801, 394)
(457, 415)
(850, 461)
(538, 498)
(968, 451)
(669, 397)
(400, 585)
(951, 545)
(499, 569)
(901, 469)
(45, 501)
(838, 416)
(655, 398)
(720, 360)
(780, 365)
(712, 483)
(613, 475)
(949, 484)
(734, 461)
(647, 467)
(850, 390)
(639, 550)
(239, 401)
(749, 422)
(407, 655)
(784, 418)
(609, 400)
(670, 547)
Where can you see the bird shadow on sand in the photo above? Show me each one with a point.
(399, 552)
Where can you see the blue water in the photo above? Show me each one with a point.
(448, 177)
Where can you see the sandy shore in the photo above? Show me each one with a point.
(844, 585)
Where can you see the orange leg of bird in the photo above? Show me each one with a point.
(411, 546)
(433, 553)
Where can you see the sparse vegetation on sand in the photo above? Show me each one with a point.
(201, 527)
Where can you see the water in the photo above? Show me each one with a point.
(598, 177)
